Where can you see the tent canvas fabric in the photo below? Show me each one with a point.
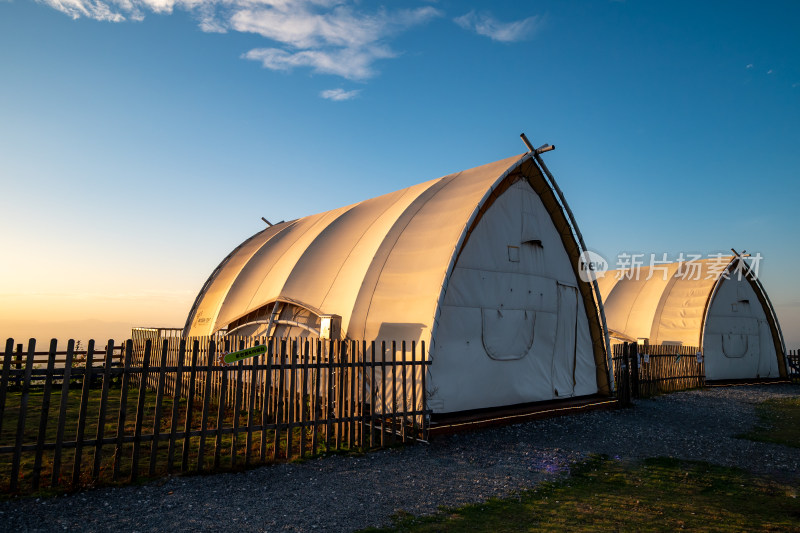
(716, 304)
(480, 264)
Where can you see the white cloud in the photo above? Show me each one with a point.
(770, 71)
(485, 24)
(302, 28)
(340, 41)
(329, 36)
(749, 66)
(338, 95)
(94, 9)
(353, 64)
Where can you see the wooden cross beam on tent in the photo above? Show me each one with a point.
(542, 149)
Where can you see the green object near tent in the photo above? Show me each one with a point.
(235, 357)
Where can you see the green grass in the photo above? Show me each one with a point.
(779, 422)
(659, 494)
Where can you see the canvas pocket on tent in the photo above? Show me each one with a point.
(507, 333)
(734, 345)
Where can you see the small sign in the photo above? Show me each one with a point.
(699, 356)
(647, 358)
(235, 357)
(330, 326)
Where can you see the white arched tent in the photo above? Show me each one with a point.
(480, 264)
(716, 304)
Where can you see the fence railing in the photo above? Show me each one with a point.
(169, 406)
(41, 358)
(793, 365)
(642, 370)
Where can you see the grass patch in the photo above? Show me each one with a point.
(779, 422)
(660, 494)
(217, 456)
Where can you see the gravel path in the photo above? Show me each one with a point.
(346, 493)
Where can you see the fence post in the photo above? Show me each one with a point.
(303, 372)
(424, 369)
(329, 407)
(4, 377)
(280, 358)
(383, 394)
(45, 411)
(88, 363)
(177, 393)
(414, 418)
(634, 366)
(190, 392)
(291, 399)
(405, 396)
(62, 413)
(341, 352)
(701, 368)
(140, 408)
(624, 386)
(123, 409)
(201, 447)
(18, 365)
(267, 395)
(23, 406)
(394, 390)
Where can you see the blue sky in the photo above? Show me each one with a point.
(141, 141)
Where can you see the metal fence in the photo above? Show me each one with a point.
(169, 406)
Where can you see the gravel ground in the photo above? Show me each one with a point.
(341, 493)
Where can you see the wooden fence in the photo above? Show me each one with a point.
(91, 421)
(793, 365)
(642, 371)
(41, 358)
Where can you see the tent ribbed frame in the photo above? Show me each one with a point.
(213, 276)
(531, 168)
